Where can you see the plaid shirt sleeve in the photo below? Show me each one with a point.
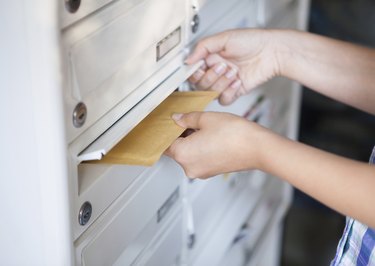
(357, 245)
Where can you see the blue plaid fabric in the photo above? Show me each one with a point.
(357, 245)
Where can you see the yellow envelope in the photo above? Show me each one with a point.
(145, 144)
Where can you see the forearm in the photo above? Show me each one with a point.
(342, 184)
(337, 69)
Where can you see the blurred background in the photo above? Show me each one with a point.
(312, 231)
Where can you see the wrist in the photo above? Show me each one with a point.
(257, 139)
(283, 50)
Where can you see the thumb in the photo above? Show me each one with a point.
(210, 45)
(190, 120)
(172, 149)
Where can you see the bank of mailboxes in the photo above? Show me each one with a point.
(122, 58)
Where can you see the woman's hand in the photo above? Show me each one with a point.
(236, 62)
(221, 143)
(239, 60)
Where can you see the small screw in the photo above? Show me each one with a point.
(85, 213)
(72, 5)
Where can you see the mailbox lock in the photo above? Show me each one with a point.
(85, 213)
(191, 241)
(79, 114)
(72, 5)
(195, 23)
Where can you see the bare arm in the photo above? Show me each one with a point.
(345, 185)
(337, 69)
(340, 70)
(226, 143)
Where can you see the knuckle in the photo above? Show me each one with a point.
(189, 173)
(226, 98)
(201, 44)
(219, 86)
(179, 156)
(192, 80)
(225, 95)
(171, 151)
(211, 77)
(200, 118)
(208, 80)
(200, 87)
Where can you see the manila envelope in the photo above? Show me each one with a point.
(145, 144)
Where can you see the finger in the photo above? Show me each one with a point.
(197, 76)
(211, 76)
(207, 46)
(225, 81)
(191, 120)
(229, 95)
(171, 151)
(213, 59)
(204, 66)
(210, 62)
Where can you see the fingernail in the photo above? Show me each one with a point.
(236, 84)
(176, 116)
(220, 68)
(198, 74)
(231, 73)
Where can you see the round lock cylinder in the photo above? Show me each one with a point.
(195, 23)
(191, 241)
(72, 5)
(85, 213)
(79, 115)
